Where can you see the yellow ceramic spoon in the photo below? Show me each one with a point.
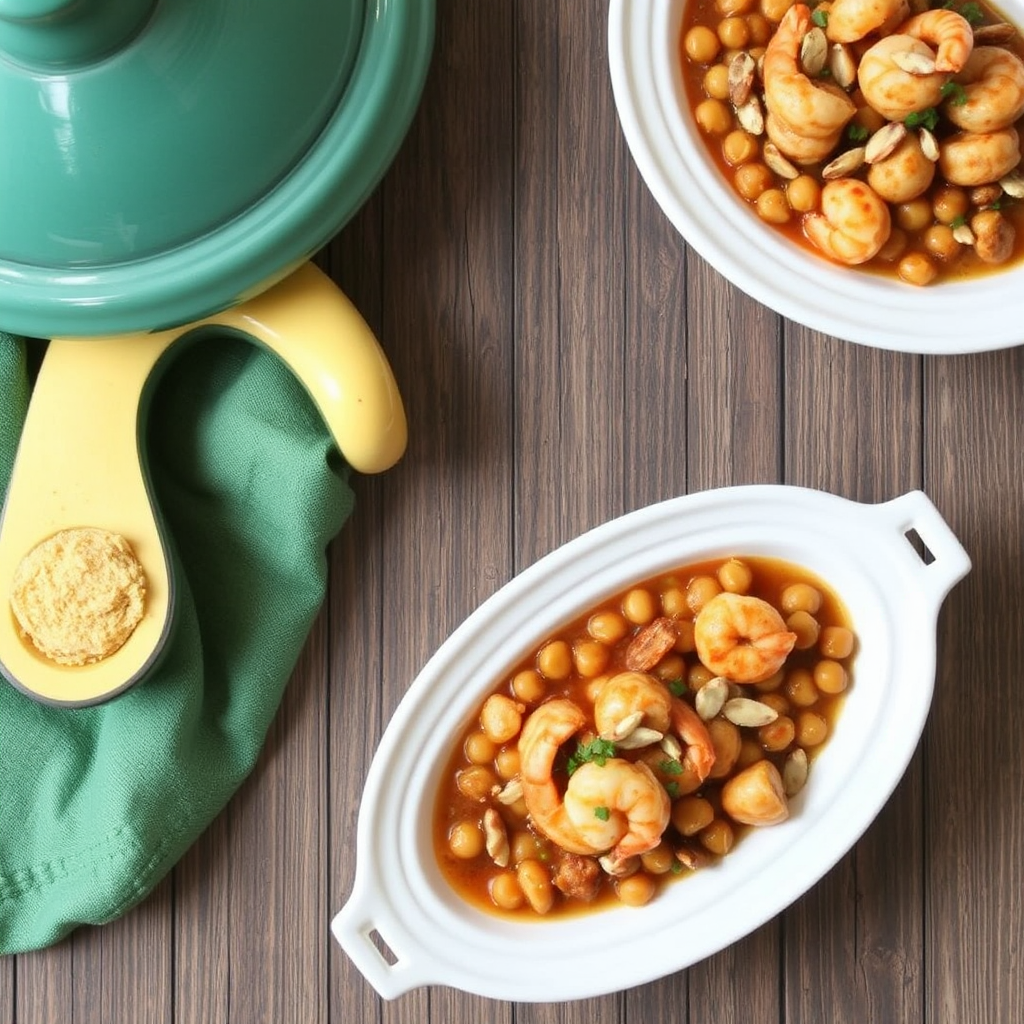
(79, 464)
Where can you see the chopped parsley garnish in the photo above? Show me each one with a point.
(958, 222)
(670, 766)
(820, 18)
(672, 788)
(857, 133)
(602, 813)
(597, 750)
(927, 118)
(954, 92)
(677, 688)
(971, 12)
(677, 867)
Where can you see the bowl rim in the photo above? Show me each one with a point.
(436, 938)
(958, 317)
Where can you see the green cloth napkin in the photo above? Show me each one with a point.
(97, 804)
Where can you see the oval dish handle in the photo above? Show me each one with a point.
(943, 561)
(355, 930)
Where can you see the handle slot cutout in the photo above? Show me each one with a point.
(387, 954)
(922, 549)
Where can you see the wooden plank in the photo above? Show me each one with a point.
(974, 774)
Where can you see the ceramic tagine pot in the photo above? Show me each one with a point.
(168, 168)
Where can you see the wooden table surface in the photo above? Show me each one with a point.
(566, 358)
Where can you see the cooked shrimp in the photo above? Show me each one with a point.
(993, 91)
(629, 700)
(618, 807)
(742, 638)
(852, 20)
(797, 147)
(891, 90)
(543, 733)
(949, 32)
(809, 110)
(756, 796)
(634, 699)
(852, 227)
(978, 158)
(904, 174)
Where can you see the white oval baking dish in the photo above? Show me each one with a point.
(404, 927)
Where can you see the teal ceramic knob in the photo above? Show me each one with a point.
(165, 159)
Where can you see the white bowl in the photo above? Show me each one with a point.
(893, 597)
(953, 317)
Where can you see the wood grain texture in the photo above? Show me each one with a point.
(566, 357)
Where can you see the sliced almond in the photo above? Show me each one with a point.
(711, 697)
(692, 858)
(672, 747)
(963, 234)
(794, 772)
(842, 64)
(511, 792)
(884, 141)
(496, 838)
(778, 163)
(651, 644)
(993, 35)
(913, 63)
(741, 77)
(814, 52)
(929, 145)
(986, 195)
(744, 711)
(623, 727)
(1013, 184)
(639, 737)
(750, 116)
(844, 164)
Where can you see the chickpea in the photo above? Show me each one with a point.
(524, 845)
(894, 247)
(505, 892)
(639, 606)
(671, 666)
(673, 603)
(734, 33)
(949, 203)
(718, 837)
(476, 781)
(506, 762)
(701, 44)
(752, 179)
(868, 118)
(760, 31)
(728, 8)
(479, 748)
(939, 241)
(726, 739)
(800, 689)
(466, 840)
(915, 215)
(772, 206)
(609, 627)
(830, 676)
(554, 660)
(735, 576)
(535, 881)
(590, 657)
(773, 682)
(778, 702)
(684, 636)
(658, 861)
(994, 236)
(985, 195)
(713, 116)
(716, 82)
(750, 751)
(739, 146)
(836, 642)
(500, 718)
(803, 193)
(636, 890)
(698, 676)
(811, 729)
(800, 597)
(916, 268)
(775, 10)
(594, 686)
(777, 735)
(528, 686)
(690, 814)
(700, 590)
(806, 628)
